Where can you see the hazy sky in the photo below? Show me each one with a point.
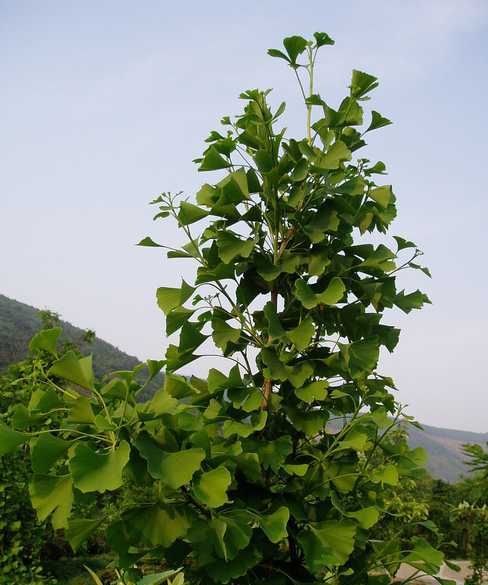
(104, 104)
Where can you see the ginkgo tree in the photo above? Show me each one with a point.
(274, 469)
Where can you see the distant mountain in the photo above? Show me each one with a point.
(446, 460)
(19, 322)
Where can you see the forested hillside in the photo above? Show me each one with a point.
(19, 322)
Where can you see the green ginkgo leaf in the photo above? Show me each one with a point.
(382, 195)
(10, 439)
(296, 469)
(231, 246)
(330, 296)
(294, 46)
(386, 474)
(334, 157)
(170, 298)
(213, 409)
(46, 450)
(377, 121)
(190, 213)
(157, 578)
(275, 329)
(367, 517)
(80, 529)
(98, 472)
(74, 369)
(274, 525)
(233, 427)
(157, 525)
(327, 544)
(362, 83)
(322, 39)
(176, 318)
(354, 440)
(52, 495)
(302, 335)
(413, 300)
(174, 469)
(213, 161)
(211, 487)
(223, 334)
(45, 340)
(313, 391)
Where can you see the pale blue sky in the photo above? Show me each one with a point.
(105, 103)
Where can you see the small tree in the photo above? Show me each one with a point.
(275, 470)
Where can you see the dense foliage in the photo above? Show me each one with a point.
(22, 539)
(275, 470)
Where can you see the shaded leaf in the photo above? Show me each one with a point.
(327, 544)
(46, 450)
(174, 469)
(52, 495)
(274, 525)
(98, 472)
(230, 246)
(79, 530)
(10, 439)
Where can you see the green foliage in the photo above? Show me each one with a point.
(21, 537)
(477, 459)
(474, 516)
(277, 469)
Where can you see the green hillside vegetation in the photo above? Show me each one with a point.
(19, 322)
